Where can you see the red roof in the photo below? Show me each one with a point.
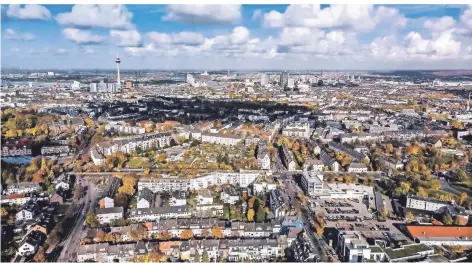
(440, 231)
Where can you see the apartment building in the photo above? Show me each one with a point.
(106, 215)
(224, 139)
(125, 129)
(22, 188)
(312, 182)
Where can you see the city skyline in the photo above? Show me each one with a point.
(240, 37)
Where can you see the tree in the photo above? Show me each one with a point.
(410, 217)
(39, 256)
(458, 249)
(138, 233)
(186, 234)
(217, 232)
(422, 192)
(250, 214)
(129, 182)
(205, 257)
(461, 175)
(389, 148)
(251, 201)
(121, 200)
(348, 179)
(447, 220)
(462, 198)
(78, 192)
(260, 214)
(4, 212)
(91, 219)
(100, 236)
(384, 212)
(436, 185)
(155, 254)
(162, 157)
(196, 258)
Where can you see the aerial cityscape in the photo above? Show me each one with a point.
(236, 133)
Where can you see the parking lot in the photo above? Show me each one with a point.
(349, 210)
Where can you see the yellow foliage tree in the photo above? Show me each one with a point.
(250, 214)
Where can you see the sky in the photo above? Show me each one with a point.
(239, 37)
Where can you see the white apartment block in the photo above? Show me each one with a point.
(297, 130)
(428, 204)
(22, 188)
(106, 215)
(224, 139)
(125, 129)
(173, 183)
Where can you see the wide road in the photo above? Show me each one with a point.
(73, 237)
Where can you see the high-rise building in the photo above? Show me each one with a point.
(284, 79)
(75, 85)
(190, 79)
(264, 80)
(291, 83)
(129, 84)
(93, 87)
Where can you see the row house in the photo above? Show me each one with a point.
(16, 150)
(158, 213)
(263, 156)
(59, 149)
(288, 158)
(361, 137)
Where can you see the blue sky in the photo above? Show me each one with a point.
(237, 36)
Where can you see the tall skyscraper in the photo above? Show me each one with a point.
(264, 80)
(283, 79)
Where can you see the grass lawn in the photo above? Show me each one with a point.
(137, 162)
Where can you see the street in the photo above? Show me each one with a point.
(72, 239)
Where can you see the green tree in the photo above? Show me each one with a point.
(91, 219)
(196, 258)
(205, 257)
(260, 215)
(447, 220)
(461, 175)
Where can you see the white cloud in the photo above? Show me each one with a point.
(29, 12)
(204, 14)
(466, 17)
(130, 38)
(13, 35)
(358, 17)
(257, 14)
(82, 37)
(441, 24)
(240, 35)
(296, 36)
(89, 51)
(181, 38)
(188, 38)
(104, 16)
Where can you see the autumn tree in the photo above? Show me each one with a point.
(138, 233)
(155, 254)
(260, 214)
(250, 214)
(121, 200)
(3, 212)
(422, 192)
(462, 198)
(410, 217)
(251, 201)
(129, 182)
(100, 236)
(384, 212)
(217, 232)
(40, 256)
(186, 234)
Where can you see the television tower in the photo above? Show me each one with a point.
(118, 68)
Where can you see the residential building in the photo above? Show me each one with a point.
(288, 158)
(330, 162)
(302, 130)
(312, 182)
(263, 156)
(106, 215)
(230, 195)
(357, 168)
(22, 188)
(156, 213)
(353, 247)
(277, 206)
(224, 139)
(178, 198)
(145, 198)
(313, 165)
(57, 149)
